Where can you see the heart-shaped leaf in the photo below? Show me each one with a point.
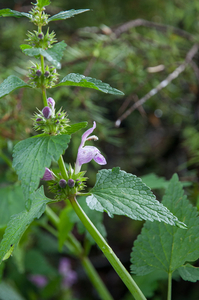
(121, 193)
(32, 155)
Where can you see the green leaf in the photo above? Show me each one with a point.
(164, 247)
(10, 84)
(36, 263)
(7, 292)
(66, 14)
(65, 225)
(32, 155)
(19, 223)
(76, 127)
(42, 3)
(53, 55)
(154, 181)
(12, 202)
(7, 12)
(73, 79)
(121, 193)
(189, 273)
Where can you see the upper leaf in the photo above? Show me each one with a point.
(121, 193)
(12, 202)
(10, 84)
(32, 155)
(73, 79)
(66, 14)
(53, 55)
(18, 223)
(42, 3)
(164, 247)
(7, 12)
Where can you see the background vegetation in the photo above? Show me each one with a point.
(160, 137)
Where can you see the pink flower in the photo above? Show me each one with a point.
(87, 153)
(38, 280)
(48, 175)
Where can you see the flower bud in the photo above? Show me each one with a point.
(40, 36)
(38, 119)
(47, 112)
(46, 74)
(48, 175)
(51, 102)
(71, 183)
(38, 73)
(62, 183)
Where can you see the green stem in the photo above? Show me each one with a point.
(169, 286)
(72, 243)
(108, 252)
(62, 167)
(43, 87)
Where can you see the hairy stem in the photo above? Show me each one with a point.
(75, 247)
(108, 252)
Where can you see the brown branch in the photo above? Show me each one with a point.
(192, 52)
(161, 27)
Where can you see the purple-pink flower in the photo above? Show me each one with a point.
(87, 153)
(48, 175)
(69, 277)
(38, 280)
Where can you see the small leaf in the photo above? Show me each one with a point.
(42, 3)
(189, 273)
(32, 155)
(73, 79)
(7, 292)
(12, 202)
(121, 193)
(66, 14)
(164, 247)
(53, 55)
(154, 181)
(10, 84)
(19, 223)
(7, 12)
(76, 127)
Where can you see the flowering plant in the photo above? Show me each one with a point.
(115, 192)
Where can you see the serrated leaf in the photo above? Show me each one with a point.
(121, 193)
(10, 84)
(189, 273)
(164, 247)
(7, 292)
(76, 127)
(66, 14)
(42, 3)
(32, 155)
(73, 79)
(65, 225)
(12, 202)
(53, 55)
(155, 182)
(19, 223)
(7, 12)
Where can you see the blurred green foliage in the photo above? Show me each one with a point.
(160, 137)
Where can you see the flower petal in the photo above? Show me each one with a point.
(100, 159)
(48, 175)
(86, 154)
(87, 133)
